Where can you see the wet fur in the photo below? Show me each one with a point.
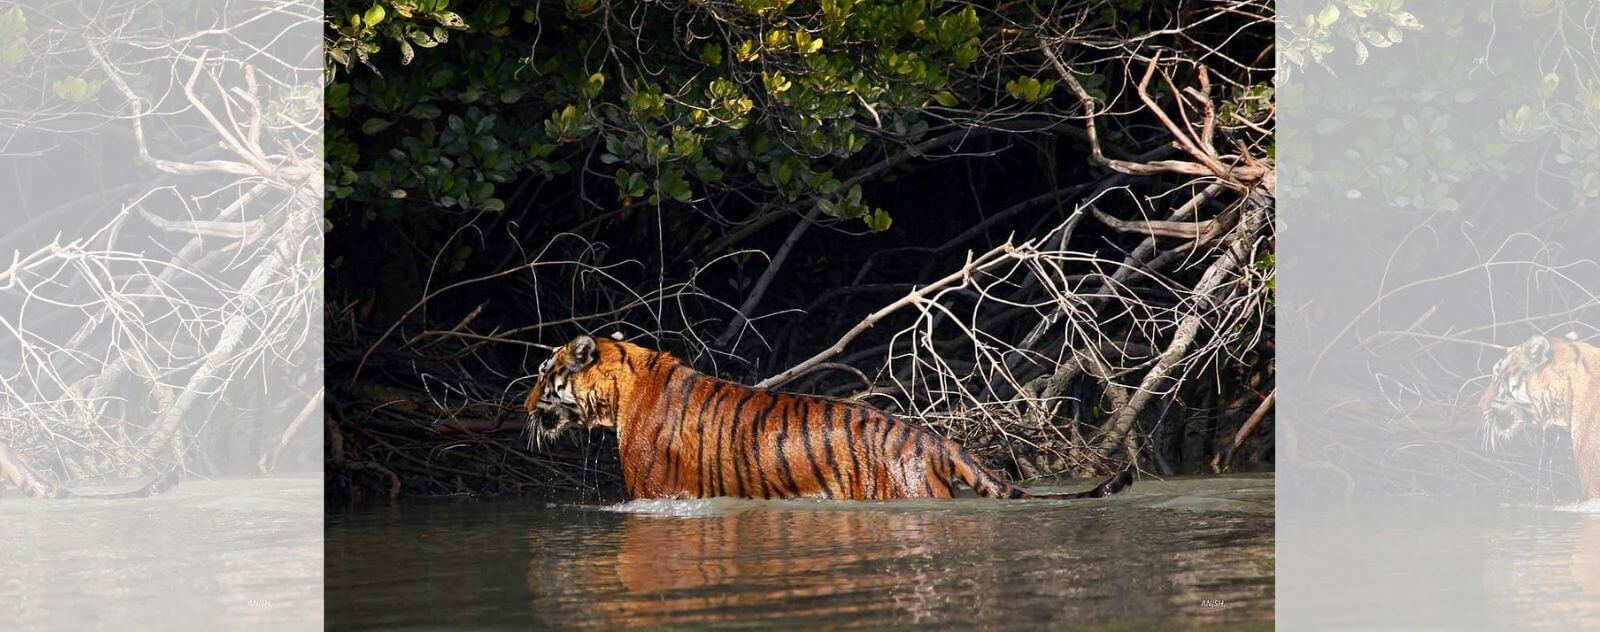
(16, 470)
(683, 434)
(1549, 382)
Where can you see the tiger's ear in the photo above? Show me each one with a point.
(582, 353)
(1537, 351)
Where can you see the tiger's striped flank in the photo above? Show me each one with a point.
(683, 434)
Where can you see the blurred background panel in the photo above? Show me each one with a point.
(160, 310)
(1439, 163)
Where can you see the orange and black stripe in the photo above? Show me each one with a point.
(683, 434)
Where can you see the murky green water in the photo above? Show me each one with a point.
(1435, 565)
(209, 555)
(1186, 552)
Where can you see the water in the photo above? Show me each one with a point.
(1185, 552)
(1428, 564)
(228, 554)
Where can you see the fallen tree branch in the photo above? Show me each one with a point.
(872, 319)
(1219, 463)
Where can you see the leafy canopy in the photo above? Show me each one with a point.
(435, 109)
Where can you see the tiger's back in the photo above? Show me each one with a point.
(707, 437)
(683, 434)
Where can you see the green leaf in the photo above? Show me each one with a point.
(746, 51)
(711, 55)
(1329, 15)
(1404, 20)
(777, 40)
(878, 221)
(1029, 89)
(482, 190)
(805, 44)
(828, 208)
(629, 184)
(1548, 86)
(945, 98)
(76, 89)
(374, 125)
(449, 19)
(425, 111)
(374, 15)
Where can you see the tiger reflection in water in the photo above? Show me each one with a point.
(1543, 570)
(822, 564)
(872, 567)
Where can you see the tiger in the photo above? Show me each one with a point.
(16, 470)
(683, 434)
(1549, 382)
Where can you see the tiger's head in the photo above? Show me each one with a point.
(557, 399)
(1517, 397)
(564, 393)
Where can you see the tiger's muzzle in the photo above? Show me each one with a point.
(552, 408)
(548, 425)
(1504, 423)
(1507, 415)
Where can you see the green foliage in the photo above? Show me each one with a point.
(1364, 23)
(1267, 264)
(1030, 90)
(440, 112)
(412, 136)
(13, 38)
(76, 89)
(850, 206)
(357, 32)
(1247, 104)
(1449, 137)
